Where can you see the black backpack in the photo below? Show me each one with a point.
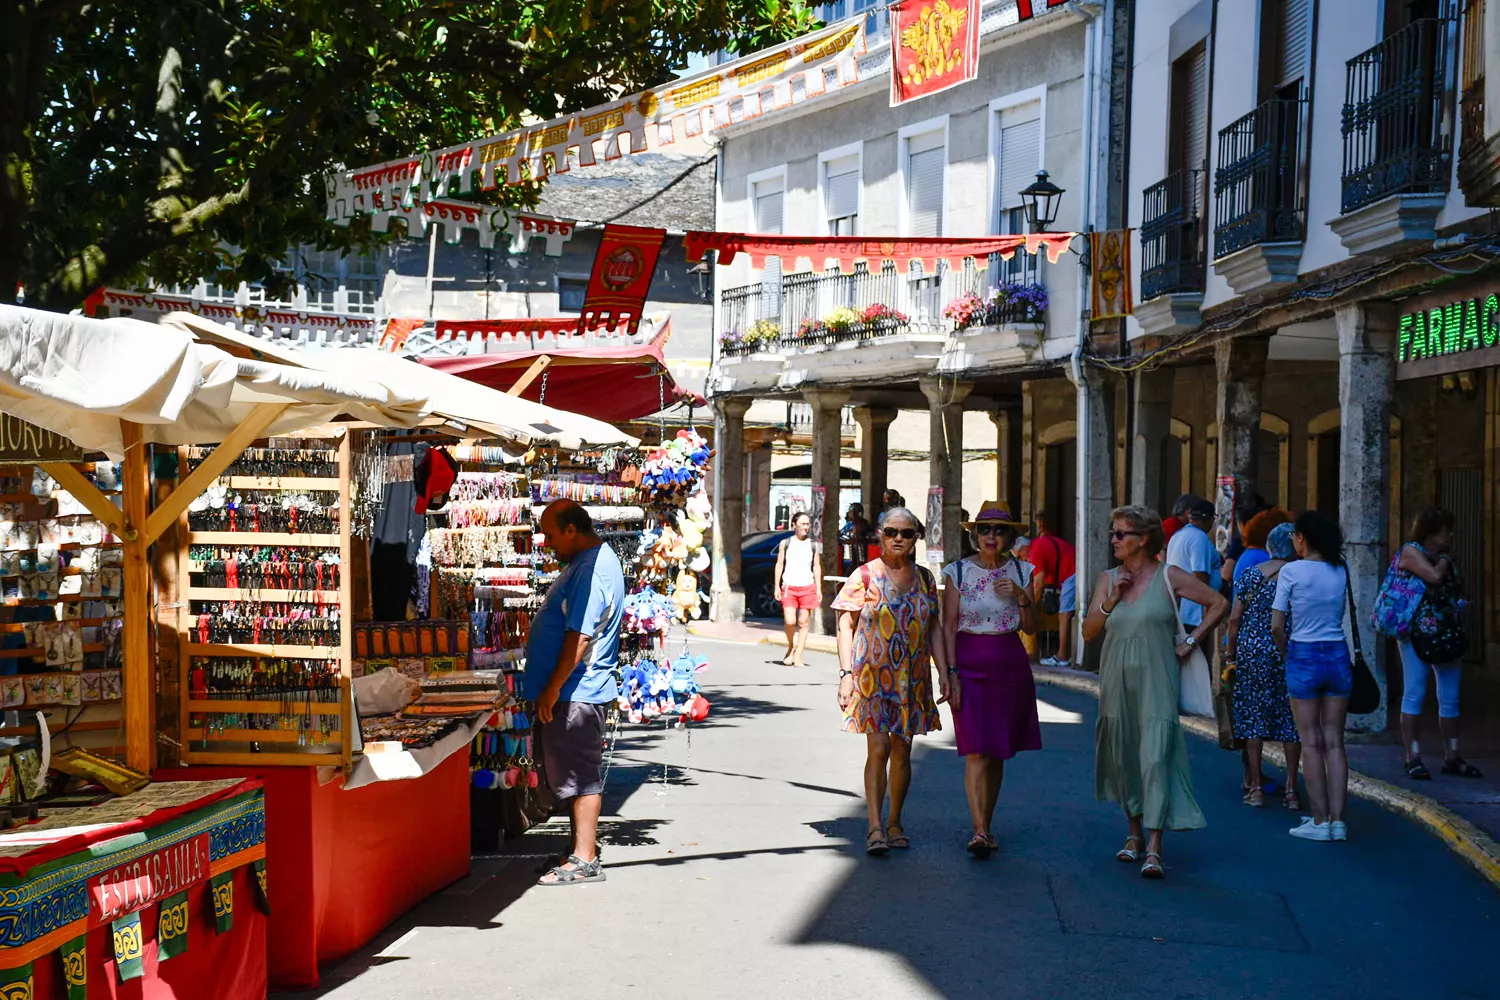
(1438, 634)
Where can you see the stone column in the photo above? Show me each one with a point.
(1241, 365)
(874, 455)
(945, 402)
(827, 408)
(1153, 427)
(758, 514)
(1008, 457)
(1367, 340)
(729, 519)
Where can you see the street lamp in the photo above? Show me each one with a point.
(1041, 198)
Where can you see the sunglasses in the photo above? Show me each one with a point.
(906, 533)
(989, 529)
(1120, 536)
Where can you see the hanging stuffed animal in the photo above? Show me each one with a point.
(687, 598)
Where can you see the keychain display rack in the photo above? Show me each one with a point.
(266, 629)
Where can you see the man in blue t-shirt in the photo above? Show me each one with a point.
(1191, 549)
(570, 674)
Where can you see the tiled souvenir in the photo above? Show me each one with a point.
(68, 610)
(110, 685)
(36, 689)
(93, 685)
(71, 585)
(29, 587)
(111, 582)
(33, 633)
(88, 582)
(10, 564)
(46, 557)
(72, 689)
(89, 533)
(27, 534)
(42, 484)
(12, 691)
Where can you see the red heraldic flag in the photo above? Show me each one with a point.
(622, 276)
(935, 45)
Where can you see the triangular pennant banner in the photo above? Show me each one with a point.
(17, 984)
(172, 927)
(130, 947)
(221, 888)
(262, 895)
(75, 967)
(623, 268)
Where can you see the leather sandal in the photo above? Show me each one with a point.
(1153, 869)
(1462, 768)
(1292, 800)
(1130, 855)
(876, 844)
(1417, 771)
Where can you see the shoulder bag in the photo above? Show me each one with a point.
(1195, 695)
(1437, 629)
(1364, 693)
(1396, 603)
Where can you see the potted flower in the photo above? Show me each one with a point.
(1017, 302)
(965, 311)
(810, 330)
(763, 334)
(842, 321)
(882, 316)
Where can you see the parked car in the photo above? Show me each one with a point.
(758, 570)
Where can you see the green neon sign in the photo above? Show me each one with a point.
(1457, 327)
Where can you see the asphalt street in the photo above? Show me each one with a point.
(736, 869)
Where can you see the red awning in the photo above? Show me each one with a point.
(614, 383)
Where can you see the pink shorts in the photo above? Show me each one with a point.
(799, 598)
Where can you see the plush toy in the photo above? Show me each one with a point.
(685, 670)
(646, 611)
(687, 597)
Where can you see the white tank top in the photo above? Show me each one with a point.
(797, 565)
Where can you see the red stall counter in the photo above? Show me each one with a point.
(344, 863)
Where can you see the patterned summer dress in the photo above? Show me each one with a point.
(1261, 708)
(892, 675)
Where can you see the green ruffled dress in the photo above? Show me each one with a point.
(1140, 757)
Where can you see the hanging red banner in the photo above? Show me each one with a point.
(1026, 8)
(623, 268)
(935, 45)
(527, 328)
(1110, 279)
(802, 253)
(396, 333)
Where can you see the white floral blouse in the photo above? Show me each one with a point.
(980, 610)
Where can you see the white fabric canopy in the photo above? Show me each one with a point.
(190, 381)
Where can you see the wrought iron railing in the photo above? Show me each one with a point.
(1471, 85)
(1258, 183)
(1398, 115)
(810, 308)
(1172, 235)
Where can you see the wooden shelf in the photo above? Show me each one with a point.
(323, 756)
(260, 538)
(11, 628)
(252, 736)
(34, 652)
(212, 705)
(279, 483)
(250, 594)
(263, 649)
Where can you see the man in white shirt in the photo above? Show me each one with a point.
(1191, 549)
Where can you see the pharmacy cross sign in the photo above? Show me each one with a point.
(1454, 328)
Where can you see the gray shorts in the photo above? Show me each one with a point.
(572, 748)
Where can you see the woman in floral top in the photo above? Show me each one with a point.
(990, 687)
(888, 618)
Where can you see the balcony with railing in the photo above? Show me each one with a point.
(891, 320)
(1258, 196)
(1172, 266)
(1397, 126)
(1478, 153)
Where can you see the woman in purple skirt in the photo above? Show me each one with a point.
(987, 600)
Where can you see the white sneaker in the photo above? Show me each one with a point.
(1055, 663)
(1309, 830)
(1338, 830)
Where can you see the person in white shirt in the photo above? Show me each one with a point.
(1311, 593)
(1192, 551)
(798, 585)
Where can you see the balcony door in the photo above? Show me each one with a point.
(926, 166)
(768, 201)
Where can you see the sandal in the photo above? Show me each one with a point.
(1128, 854)
(989, 838)
(979, 846)
(1462, 768)
(1291, 799)
(1256, 799)
(582, 871)
(1417, 771)
(899, 840)
(1153, 869)
(875, 843)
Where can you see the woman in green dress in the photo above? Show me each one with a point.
(1139, 753)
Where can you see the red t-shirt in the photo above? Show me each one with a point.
(1169, 527)
(1054, 557)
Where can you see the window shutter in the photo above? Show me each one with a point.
(926, 160)
(841, 187)
(768, 206)
(1195, 111)
(1292, 37)
(1020, 155)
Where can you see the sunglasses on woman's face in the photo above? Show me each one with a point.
(988, 529)
(906, 533)
(1120, 536)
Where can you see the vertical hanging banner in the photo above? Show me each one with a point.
(221, 891)
(934, 44)
(18, 983)
(934, 534)
(172, 927)
(130, 947)
(623, 268)
(1112, 296)
(75, 967)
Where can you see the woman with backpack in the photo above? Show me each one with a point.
(1435, 641)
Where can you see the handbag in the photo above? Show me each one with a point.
(1437, 629)
(1364, 693)
(1396, 603)
(1195, 695)
(1051, 599)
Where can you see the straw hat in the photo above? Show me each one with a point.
(993, 512)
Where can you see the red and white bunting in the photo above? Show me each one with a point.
(108, 302)
(807, 253)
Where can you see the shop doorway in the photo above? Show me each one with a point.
(1327, 495)
(1462, 492)
(1061, 488)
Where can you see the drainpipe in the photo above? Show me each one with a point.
(720, 564)
(1084, 572)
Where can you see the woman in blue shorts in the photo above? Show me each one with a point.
(1311, 593)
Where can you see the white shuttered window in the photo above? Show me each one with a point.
(1020, 151)
(841, 194)
(926, 160)
(768, 198)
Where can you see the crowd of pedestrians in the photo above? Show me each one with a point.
(1285, 669)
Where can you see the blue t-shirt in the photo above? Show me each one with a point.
(587, 598)
(1249, 559)
(1192, 550)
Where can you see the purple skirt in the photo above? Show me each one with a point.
(997, 717)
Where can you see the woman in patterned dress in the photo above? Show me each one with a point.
(888, 637)
(1259, 700)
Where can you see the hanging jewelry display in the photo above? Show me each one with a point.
(369, 475)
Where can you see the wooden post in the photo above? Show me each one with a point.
(530, 375)
(140, 667)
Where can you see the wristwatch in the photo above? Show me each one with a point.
(845, 673)
(1190, 641)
